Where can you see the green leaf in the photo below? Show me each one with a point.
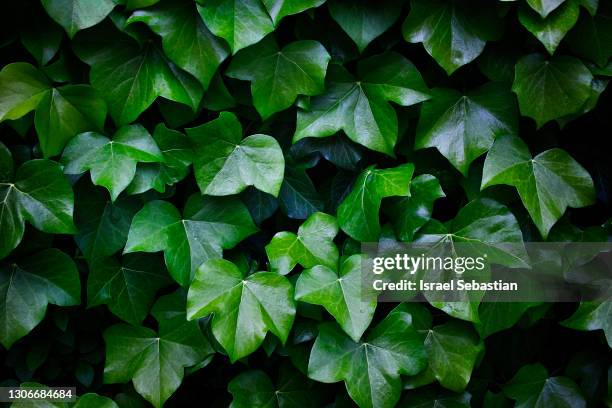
(245, 22)
(298, 197)
(39, 194)
(127, 287)
(544, 7)
(360, 108)
(177, 151)
(254, 389)
(463, 127)
(370, 369)
(22, 87)
(103, 224)
(208, 226)
(340, 294)
(550, 30)
(591, 38)
(592, 316)
(112, 163)
(358, 212)
(155, 362)
(551, 89)
(244, 308)
(94, 400)
(409, 214)
(429, 398)
(282, 8)
(453, 349)
(225, 164)
(185, 38)
(453, 32)
(547, 183)
(496, 316)
(313, 245)
(65, 112)
(239, 22)
(26, 287)
(278, 76)
(364, 21)
(75, 15)
(531, 387)
(490, 228)
(130, 78)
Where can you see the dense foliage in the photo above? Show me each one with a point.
(184, 186)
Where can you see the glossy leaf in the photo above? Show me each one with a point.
(278, 76)
(370, 369)
(244, 308)
(360, 107)
(592, 316)
(550, 89)
(225, 164)
(358, 212)
(22, 87)
(27, 287)
(453, 349)
(111, 163)
(453, 32)
(547, 183)
(544, 7)
(340, 294)
(185, 38)
(75, 15)
(463, 127)
(364, 21)
(550, 30)
(39, 194)
(208, 225)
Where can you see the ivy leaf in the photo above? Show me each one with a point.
(340, 294)
(358, 212)
(453, 33)
(490, 228)
(463, 127)
(112, 163)
(127, 287)
(26, 287)
(360, 107)
(42, 38)
(239, 22)
(177, 151)
(245, 307)
(551, 89)
(592, 316)
(185, 38)
(429, 398)
(225, 164)
(254, 389)
(64, 113)
(39, 194)
(550, 30)
(298, 197)
(409, 214)
(364, 21)
(547, 183)
(103, 224)
(313, 245)
(531, 386)
(370, 369)
(94, 400)
(338, 150)
(544, 7)
(208, 226)
(61, 113)
(496, 316)
(22, 87)
(75, 15)
(155, 362)
(130, 78)
(245, 22)
(591, 38)
(453, 349)
(278, 76)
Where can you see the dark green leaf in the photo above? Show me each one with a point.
(75, 15)
(550, 30)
